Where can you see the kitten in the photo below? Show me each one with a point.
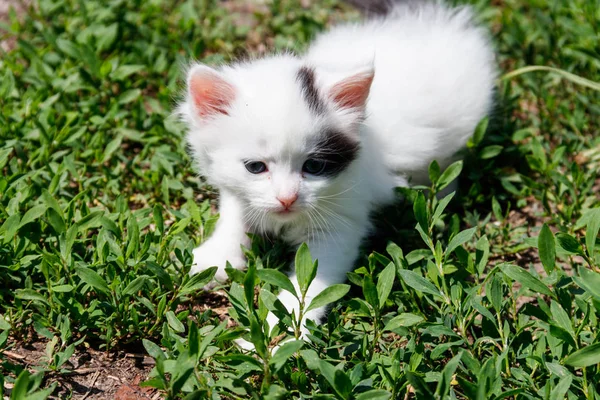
(306, 147)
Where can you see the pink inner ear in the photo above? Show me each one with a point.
(210, 93)
(352, 92)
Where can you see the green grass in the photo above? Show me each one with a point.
(495, 294)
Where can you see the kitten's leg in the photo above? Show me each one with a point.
(225, 242)
(336, 253)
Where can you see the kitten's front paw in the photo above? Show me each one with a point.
(210, 254)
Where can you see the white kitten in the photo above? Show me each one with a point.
(307, 147)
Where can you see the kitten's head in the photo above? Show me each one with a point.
(279, 134)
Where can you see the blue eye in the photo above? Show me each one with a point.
(255, 167)
(313, 166)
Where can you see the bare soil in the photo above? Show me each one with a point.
(92, 374)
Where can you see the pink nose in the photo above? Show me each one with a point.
(287, 201)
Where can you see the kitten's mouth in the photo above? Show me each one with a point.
(286, 213)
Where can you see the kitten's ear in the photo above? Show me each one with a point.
(209, 93)
(353, 91)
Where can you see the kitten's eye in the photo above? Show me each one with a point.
(255, 167)
(314, 167)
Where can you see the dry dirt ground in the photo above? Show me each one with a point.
(100, 375)
(20, 6)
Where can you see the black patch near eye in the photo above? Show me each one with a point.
(335, 151)
(255, 167)
(314, 167)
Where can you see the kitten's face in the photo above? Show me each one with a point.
(276, 140)
(290, 180)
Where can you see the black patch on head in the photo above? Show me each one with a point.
(306, 78)
(337, 150)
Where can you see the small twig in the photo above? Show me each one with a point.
(85, 371)
(13, 355)
(114, 378)
(135, 355)
(94, 378)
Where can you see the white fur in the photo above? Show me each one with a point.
(433, 81)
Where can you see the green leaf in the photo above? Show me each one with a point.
(258, 337)
(591, 233)
(444, 385)
(342, 384)
(249, 283)
(135, 285)
(569, 243)
(184, 370)
(311, 358)
(42, 394)
(328, 295)
(588, 281)
(276, 392)
(33, 214)
(193, 339)
(482, 254)
(4, 325)
(490, 151)
(30, 294)
(162, 275)
(284, 352)
(385, 282)
(52, 203)
(562, 73)
(68, 48)
(174, 322)
(110, 148)
(403, 320)
(153, 349)
(279, 279)
(560, 390)
(208, 339)
(63, 288)
(19, 391)
(198, 281)
(494, 292)
(129, 96)
(459, 239)
(396, 252)
(420, 210)
(92, 220)
(375, 394)
(479, 133)
(589, 355)
(450, 174)
(65, 355)
(306, 269)
(418, 283)
(10, 227)
(441, 206)
(520, 275)
(133, 236)
(124, 71)
(158, 218)
(497, 210)
(561, 318)
(370, 292)
(434, 171)
(92, 278)
(56, 221)
(547, 249)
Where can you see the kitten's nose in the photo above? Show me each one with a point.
(288, 200)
